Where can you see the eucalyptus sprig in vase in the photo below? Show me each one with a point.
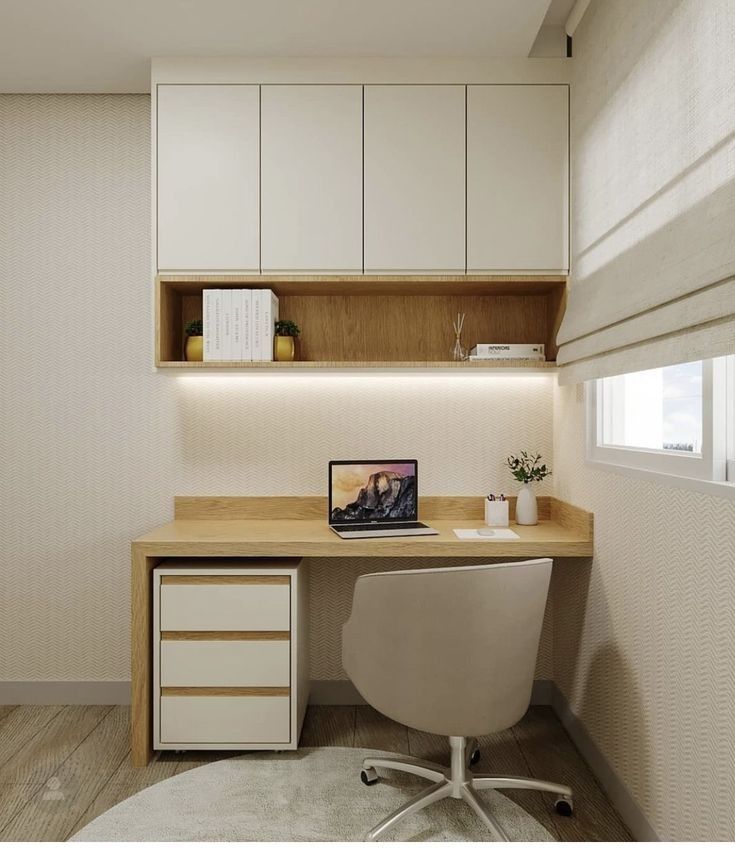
(527, 469)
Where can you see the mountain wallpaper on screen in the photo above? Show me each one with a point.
(387, 494)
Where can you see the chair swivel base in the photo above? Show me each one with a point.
(457, 782)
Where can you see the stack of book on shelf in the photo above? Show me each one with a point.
(239, 324)
(501, 350)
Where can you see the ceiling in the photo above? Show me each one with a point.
(106, 45)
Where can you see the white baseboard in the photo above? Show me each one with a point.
(343, 692)
(334, 692)
(65, 692)
(616, 790)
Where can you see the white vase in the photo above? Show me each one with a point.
(526, 508)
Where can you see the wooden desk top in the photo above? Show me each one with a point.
(267, 527)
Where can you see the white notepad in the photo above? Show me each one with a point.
(499, 533)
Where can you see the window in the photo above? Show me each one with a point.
(678, 420)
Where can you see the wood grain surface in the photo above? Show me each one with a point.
(371, 321)
(225, 635)
(225, 691)
(225, 580)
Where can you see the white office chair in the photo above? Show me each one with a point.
(450, 651)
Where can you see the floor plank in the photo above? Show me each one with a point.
(5, 710)
(50, 747)
(374, 730)
(36, 763)
(551, 755)
(329, 726)
(21, 725)
(54, 810)
(15, 796)
(124, 783)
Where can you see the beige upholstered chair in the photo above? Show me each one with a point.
(450, 651)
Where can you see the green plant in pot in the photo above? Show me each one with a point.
(285, 341)
(527, 469)
(194, 349)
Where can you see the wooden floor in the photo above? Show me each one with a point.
(61, 767)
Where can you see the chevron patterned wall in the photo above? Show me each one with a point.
(95, 443)
(643, 637)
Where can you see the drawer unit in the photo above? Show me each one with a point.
(229, 654)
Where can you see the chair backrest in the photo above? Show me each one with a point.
(450, 651)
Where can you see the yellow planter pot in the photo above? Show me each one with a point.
(194, 348)
(285, 349)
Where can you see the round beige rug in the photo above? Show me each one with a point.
(313, 794)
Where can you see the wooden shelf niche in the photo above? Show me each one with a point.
(378, 321)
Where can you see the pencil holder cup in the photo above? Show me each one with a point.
(496, 513)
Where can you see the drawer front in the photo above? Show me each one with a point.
(225, 663)
(222, 719)
(225, 606)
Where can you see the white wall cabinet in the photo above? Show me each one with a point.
(517, 178)
(414, 176)
(208, 163)
(348, 178)
(311, 178)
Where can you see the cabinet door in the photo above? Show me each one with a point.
(517, 178)
(208, 177)
(311, 176)
(415, 178)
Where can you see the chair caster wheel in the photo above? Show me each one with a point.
(369, 776)
(475, 757)
(564, 806)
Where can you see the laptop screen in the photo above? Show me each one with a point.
(376, 490)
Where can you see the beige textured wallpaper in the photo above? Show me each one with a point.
(643, 635)
(95, 444)
(644, 638)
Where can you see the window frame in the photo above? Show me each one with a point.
(715, 465)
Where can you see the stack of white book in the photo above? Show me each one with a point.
(239, 324)
(501, 350)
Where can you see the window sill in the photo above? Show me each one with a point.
(707, 487)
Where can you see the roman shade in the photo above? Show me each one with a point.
(653, 271)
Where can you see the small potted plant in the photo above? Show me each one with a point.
(194, 349)
(527, 469)
(285, 345)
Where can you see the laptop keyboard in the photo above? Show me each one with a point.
(392, 525)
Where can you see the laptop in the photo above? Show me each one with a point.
(375, 498)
